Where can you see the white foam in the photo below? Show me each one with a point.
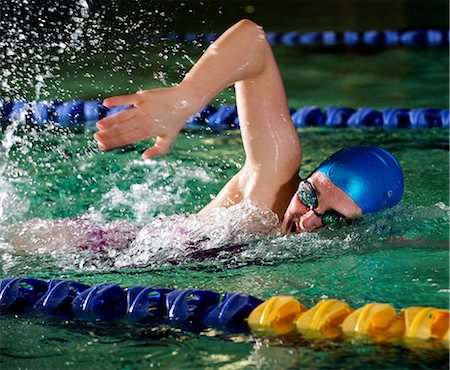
(443, 206)
(155, 195)
(179, 238)
(11, 206)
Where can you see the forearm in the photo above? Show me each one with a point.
(239, 54)
(243, 56)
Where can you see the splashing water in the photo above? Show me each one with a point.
(164, 189)
(11, 205)
(50, 53)
(68, 211)
(56, 57)
(33, 52)
(240, 235)
(179, 239)
(63, 50)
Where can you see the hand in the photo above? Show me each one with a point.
(159, 114)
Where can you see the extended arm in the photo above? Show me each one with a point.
(242, 56)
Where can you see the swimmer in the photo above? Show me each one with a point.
(349, 184)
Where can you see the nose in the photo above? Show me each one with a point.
(310, 222)
(294, 211)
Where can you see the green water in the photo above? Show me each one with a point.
(399, 256)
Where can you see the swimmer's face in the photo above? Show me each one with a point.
(299, 217)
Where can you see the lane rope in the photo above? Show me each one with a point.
(196, 310)
(83, 114)
(369, 38)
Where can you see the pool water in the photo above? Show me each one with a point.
(399, 256)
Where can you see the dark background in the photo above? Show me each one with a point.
(85, 49)
(123, 16)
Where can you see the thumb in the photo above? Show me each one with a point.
(161, 147)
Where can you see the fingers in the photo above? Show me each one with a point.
(121, 100)
(160, 148)
(111, 142)
(122, 129)
(149, 116)
(286, 226)
(288, 221)
(118, 118)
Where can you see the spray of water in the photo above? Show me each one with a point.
(50, 51)
(59, 51)
(240, 235)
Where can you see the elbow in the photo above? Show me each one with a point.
(248, 27)
(247, 23)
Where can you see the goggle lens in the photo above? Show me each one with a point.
(333, 219)
(307, 195)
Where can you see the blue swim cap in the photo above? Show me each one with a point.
(371, 176)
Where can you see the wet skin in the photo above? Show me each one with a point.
(301, 218)
(269, 177)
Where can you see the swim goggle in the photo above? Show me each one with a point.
(308, 196)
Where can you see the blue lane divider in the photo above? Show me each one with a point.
(57, 301)
(189, 309)
(371, 38)
(146, 304)
(19, 294)
(83, 114)
(101, 302)
(230, 315)
(196, 310)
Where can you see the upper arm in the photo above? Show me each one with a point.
(270, 140)
(243, 56)
(229, 195)
(271, 143)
